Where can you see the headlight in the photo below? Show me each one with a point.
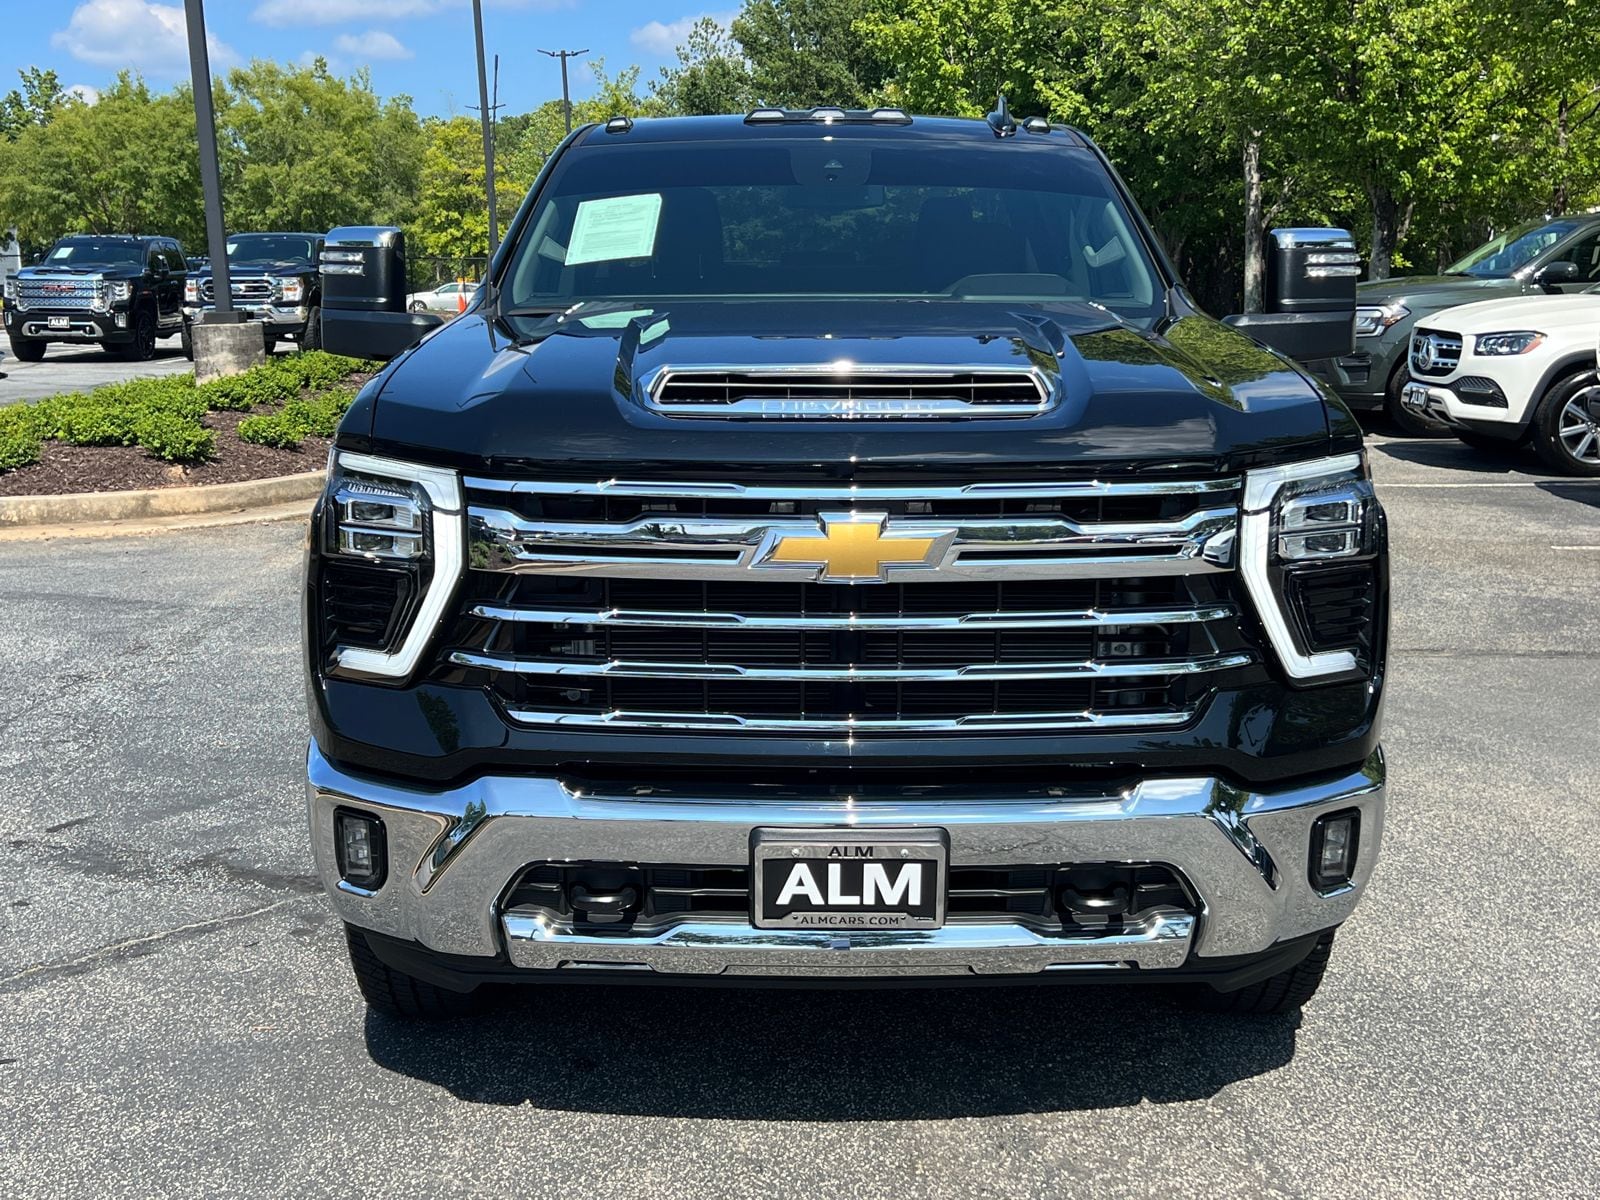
(10, 290)
(1495, 345)
(1373, 319)
(120, 290)
(1311, 536)
(292, 290)
(392, 552)
(191, 291)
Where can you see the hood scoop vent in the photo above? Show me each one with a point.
(846, 391)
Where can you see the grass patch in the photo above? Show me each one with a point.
(163, 415)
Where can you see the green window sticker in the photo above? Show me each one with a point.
(613, 228)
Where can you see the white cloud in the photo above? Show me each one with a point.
(291, 13)
(89, 95)
(373, 45)
(663, 37)
(137, 34)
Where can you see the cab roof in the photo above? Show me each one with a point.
(805, 124)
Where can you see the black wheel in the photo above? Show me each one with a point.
(186, 341)
(398, 994)
(143, 346)
(1488, 444)
(311, 336)
(1566, 429)
(1407, 422)
(418, 306)
(28, 349)
(1275, 995)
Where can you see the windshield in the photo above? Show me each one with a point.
(268, 247)
(94, 252)
(1512, 250)
(851, 217)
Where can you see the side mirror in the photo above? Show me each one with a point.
(364, 294)
(1310, 295)
(1552, 275)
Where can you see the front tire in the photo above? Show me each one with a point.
(186, 341)
(311, 335)
(397, 994)
(143, 346)
(1406, 422)
(28, 349)
(1277, 994)
(1566, 429)
(417, 306)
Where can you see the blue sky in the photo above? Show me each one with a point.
(422, 48)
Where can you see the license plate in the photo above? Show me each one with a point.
(58, 323)
(849, 878)
(1414, 395)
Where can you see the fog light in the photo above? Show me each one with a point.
(359, 842)
(121, 320)
(1335, 839)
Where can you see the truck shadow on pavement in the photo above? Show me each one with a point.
(787, 1055)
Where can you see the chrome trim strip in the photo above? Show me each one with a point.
(1255, 544)
(449, 555)
(1161, 940)
(1109, 618)
(981, 722)
(973, 672)
(865, 492)
(668, 547)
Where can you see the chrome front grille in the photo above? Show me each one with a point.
(1434, 352)
(256, 290)
(77, 295)
(630, 606)
(850, 391)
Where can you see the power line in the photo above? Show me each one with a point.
(566, 94)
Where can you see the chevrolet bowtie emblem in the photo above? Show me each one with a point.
(854, 547)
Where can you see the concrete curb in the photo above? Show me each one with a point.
(45, 513)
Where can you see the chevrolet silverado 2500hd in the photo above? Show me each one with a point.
(833, 547)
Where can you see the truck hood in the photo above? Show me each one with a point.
(287, 266)
(1434, 291)
(1538, 312)
(565, 395)
(47, 272)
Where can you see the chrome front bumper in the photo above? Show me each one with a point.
(454, 853)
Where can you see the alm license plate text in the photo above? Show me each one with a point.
(849, 879)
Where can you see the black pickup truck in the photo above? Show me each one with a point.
(111, 290)
(833, 548)
(275, 279)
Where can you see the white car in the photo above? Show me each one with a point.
(1502, 372)
(447, 297)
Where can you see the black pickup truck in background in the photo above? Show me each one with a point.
(275, 280)
(832, 547)
(116, 291)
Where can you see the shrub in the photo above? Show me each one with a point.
(297, 420)
(173, 436)
(18, 448)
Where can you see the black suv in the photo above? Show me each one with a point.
(274, 277)
(832, 547)
(112, 290)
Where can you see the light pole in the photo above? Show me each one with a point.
(566, 94)
(488, 129)
(210, 178)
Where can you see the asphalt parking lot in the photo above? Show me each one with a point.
(176, 1017)
(66, 368)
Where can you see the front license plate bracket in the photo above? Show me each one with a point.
(849, 879)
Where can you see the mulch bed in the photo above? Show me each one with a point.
(62, 468)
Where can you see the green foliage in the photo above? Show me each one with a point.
(307, 394)
(712, 75)
(38, 101)
(804, 53)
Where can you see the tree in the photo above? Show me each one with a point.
(807, 53)
(525, 141)
(452, 219)
(711, 76)
(301, 148)
(38, 101)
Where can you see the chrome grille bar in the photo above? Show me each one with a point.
(865, 493)
(977, 723)
(669, 547)
(973, 673)
(643, 618)
(850, 391)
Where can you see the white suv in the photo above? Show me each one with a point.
(1501, 372)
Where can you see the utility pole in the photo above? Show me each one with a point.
(487, 115)
(566, 94)
(210, 177)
